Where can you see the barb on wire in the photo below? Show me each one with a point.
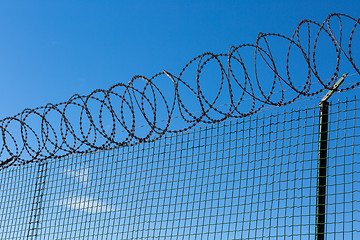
(109, 118)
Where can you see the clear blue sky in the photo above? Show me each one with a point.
(50, 50)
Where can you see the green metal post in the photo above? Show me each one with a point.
(322, 161)
(321, 177)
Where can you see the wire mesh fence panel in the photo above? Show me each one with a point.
(17, 203)
(343, 179)
(251, 178)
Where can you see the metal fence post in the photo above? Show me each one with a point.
(321, 176)
(322, 162)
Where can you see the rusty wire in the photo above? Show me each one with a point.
(49, 131)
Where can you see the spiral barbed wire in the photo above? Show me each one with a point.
(106, 119)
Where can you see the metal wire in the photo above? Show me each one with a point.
(92, 122)
(248, 178)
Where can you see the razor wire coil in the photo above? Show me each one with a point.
(56, 138)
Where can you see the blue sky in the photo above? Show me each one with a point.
(50, 50)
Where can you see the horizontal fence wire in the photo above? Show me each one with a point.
(248, 178)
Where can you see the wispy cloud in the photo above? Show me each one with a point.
(81, 175)
(87, 204)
